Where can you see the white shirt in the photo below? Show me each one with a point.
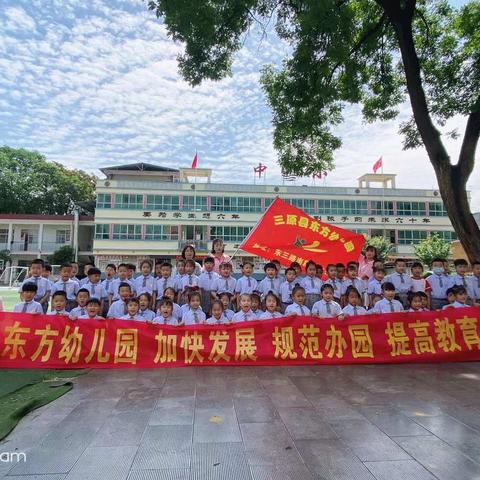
(269, 284)
(188, 281)
(163, 284)
(86, 317)
(474, 287)
(146, 314)
(439, 284)
(222, 285)
(107, 282)
(358, 283)
(387, 306)
(354, 311)
(401, 281)
(58, 312)
(69, 287)
(459, 305)
(206, 279)
(312, 284)
(136, 318)
(242, 316)
(374, 286)
(286, 290)
(31, 307)
(171, 320)
(115, 285)
(214, 321)
(193, 317)
(270, 315)
(77, 312)
(418, 284)
(96, 290)
(186, 307)
(458, 280)
(337, 286)
(246, 285)
(229, 314)
(321, 308)
(43, 286)
(145, 284)
(298, 309)
(117, 309)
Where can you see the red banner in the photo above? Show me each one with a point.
(287, 234)
(41, 341)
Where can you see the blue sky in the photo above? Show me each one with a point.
(91, 84)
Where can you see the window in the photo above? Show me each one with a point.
(3, 235)
(190, 203)
(377, 208)
(102, 231)
(268, 202)
(236, 204)
(343, 207)
(305, 204)
(230, 234)
(104, 200)
(127, 232)
(129, 201)
(447, 236)
(411, 209)
(436, 209)
(163, 202)
(62, 236)
(409, 237)
(161, 232)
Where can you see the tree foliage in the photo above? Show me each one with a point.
(5, 257)
(30, 184)
(382, 244)
(432, 247)
(65, 254)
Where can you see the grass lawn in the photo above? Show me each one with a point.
(10, 297)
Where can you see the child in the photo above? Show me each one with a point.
(280, 277)
(164, 279)
(327, 307)
(95, 287)
(354, 303)
(245, 313)
(418, 282)
(225, 298)
(144, 302)
(334, 282)
(319, 272)
(425, 304)
(474, 284)
(74, 272)
(312, 285)
(59, 303)
(205, 282)
(459, 278)
(119, 307)
(218, 315)
(110, 272)
(165, 311)
(340, 272)
(416, 302)
(298, 306)
(180, 272)
(146, 283)
(298, 270)
(93, 310)
(187, 282)
(86, 269)
(352, 280)
(122, 272)
(28, 304)
(169, 293)
(272, 307)
(246, 283)
(43, 285)
(437, 284)
(225, 283)
(460, 297)
(287, 286)
(194, 315)
(131, 269)
(157, 270)
(133, 306)
(375, 283)
(67, 285)
(451, 296)
(375, 298)
(81, 299)
(270, 283)
(47, 274)
(388, 304)
(401, 281)
(256, 304)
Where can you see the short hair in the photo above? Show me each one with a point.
(146, 294)
(124, 284)
(460, 261)
(59, 293)
(330, 265)
(417, 265)
(94, 271)
(111, 265)
(326, 286)
(244, 264)
(388, 287)
(245, 295)
(93, 301)
(145, 261)
(208, 260)
(398, 260)
(228, 294)
(352, 264)
(185, 248)
(193, 294)
(296, 289)
(319, 267)
(451, 291)
(256, 296)
(48, 268)
(290, 269)
(272, 295)
(270, 265)
(166, 264)
(226, 265)
(122, 265)
(340, 265)
(180, 261)
(438, 259)
(169, 288)
(83, 290)
(29, 287)
(352, 289)
(131, 266)
(475, 262)
(460, 290)
(133, 300)
(379, 269)
(295, 264)
(412, 295)
(422, 294)
(218, 303)
(190, 263)
(165, 301)
(65, 265)
(38, 261)
(310, 263)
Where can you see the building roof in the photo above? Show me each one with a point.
(28, 216)
(139, 167)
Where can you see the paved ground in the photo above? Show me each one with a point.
(362, 422)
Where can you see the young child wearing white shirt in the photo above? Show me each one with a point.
(81, 309)
(177, 309)
(218, 316)
(28, 304)
(298, 306)
(59, 303)
(226, 298)
(144, 302)
(460, 297)
(415, 299)
(334, 281)
(388, 304)
(133, 306)
(245, 313)
(92, 310)
(65, 283)
(272, 307)
(187, 282)
(205, 282)
(311, 284)
(374, 286)
(194, 315)
(246, 283)
(418, 282)
(165, 313)
(224, 283)
(146, 282)
(119, 307)
(287, 286)
(354, 303)
(327, 307)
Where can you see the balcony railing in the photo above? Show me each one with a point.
(34, 246)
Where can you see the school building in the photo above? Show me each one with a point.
(149, 211)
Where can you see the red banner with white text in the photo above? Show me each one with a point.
(41, 341)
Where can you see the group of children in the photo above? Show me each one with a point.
(183, 297)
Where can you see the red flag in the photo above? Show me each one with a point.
(288, 234)
(195, 160)
(378, 164)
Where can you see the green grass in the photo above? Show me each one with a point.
(10, 297)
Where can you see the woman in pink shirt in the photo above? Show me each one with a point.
(365, 263)
(218, 247)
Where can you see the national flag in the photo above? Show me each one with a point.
(378, 164)
(195, 160)
(287, 234)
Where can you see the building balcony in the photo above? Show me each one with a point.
(45, 247)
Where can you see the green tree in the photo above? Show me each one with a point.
(375, 53)
(65, 254)
(5, 257)
(432, 247)
(382, 244)
(30, 184)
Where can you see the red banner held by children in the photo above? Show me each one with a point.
(287, 234)
(41, 341)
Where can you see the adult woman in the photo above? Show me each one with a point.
(365, 263)
(188, 253)
(218, 249)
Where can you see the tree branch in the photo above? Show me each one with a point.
(466, 159)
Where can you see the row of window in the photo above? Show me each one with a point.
(407, 237)
(254, 205)
(61, 236)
